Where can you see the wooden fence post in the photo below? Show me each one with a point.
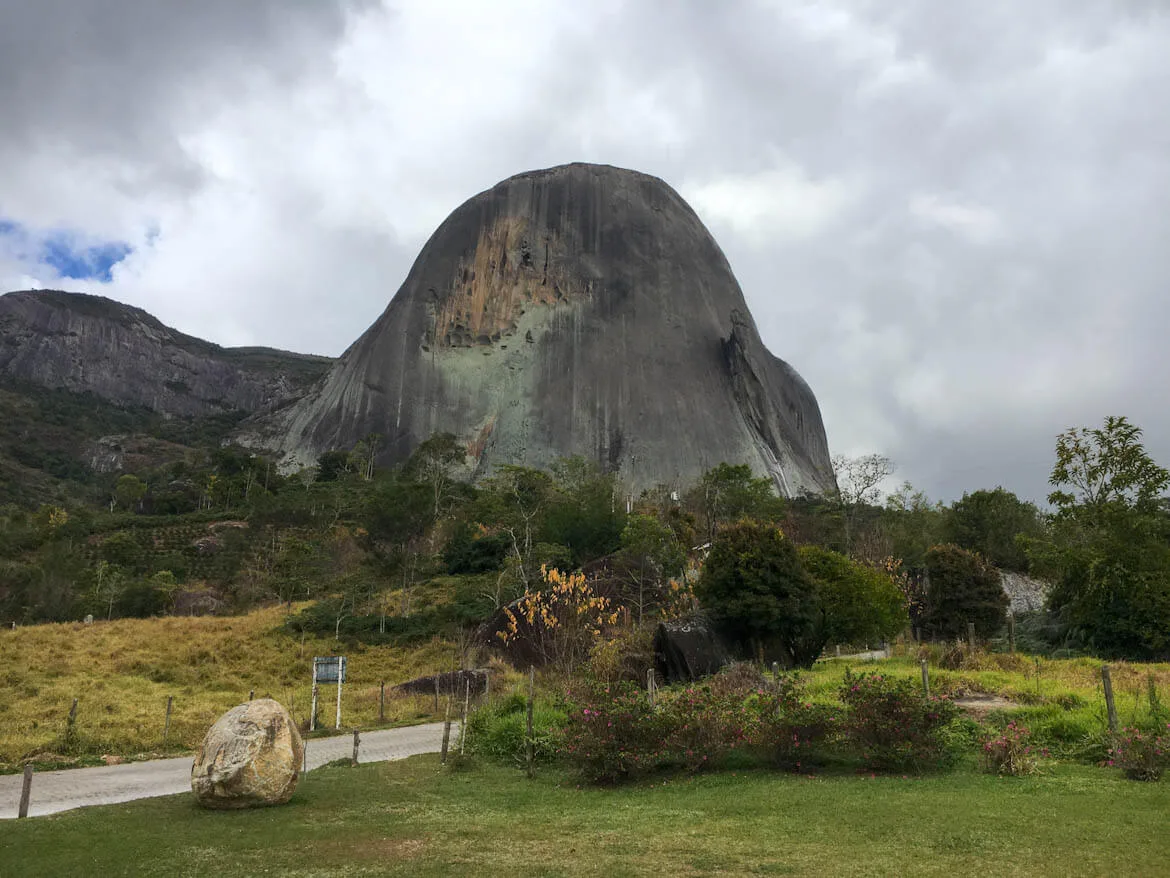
(251, 694)
(25, 792)
(167, 724)
(651, 687)
(971, 637)
(436, 693)
(446, 733)
(1011, 620)
(71, 720)
(925, 676)
(356, 743)
(382, 701)
(1110, 707)
(463, 719)
(531, 742)
(1037, 660)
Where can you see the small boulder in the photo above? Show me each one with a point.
(251, 756)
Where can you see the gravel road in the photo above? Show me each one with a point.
(54, 791)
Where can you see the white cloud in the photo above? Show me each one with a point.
(780, 202)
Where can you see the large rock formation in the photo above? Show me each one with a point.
(579, 310)
(124, 355)
(251, 756)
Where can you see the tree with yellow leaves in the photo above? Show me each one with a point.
(562, 621)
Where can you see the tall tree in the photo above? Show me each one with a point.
(1108, 550)
(859, 481)
(990, 523)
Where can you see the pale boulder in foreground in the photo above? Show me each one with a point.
(252, 756)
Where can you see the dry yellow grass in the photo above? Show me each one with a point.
(122, 671)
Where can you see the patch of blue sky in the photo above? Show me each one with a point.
(70, 254)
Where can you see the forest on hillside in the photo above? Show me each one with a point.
(182, 523)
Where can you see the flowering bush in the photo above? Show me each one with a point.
(1011, 752)
(613, 734)
(892, 723)
(785, 728)
(702, 724)
(1142, 755)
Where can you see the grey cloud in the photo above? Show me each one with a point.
(121, 78)
(994, 271)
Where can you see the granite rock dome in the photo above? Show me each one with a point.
(578, 310)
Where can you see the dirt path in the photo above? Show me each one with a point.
(54, 791)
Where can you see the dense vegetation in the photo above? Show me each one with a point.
(163, 518)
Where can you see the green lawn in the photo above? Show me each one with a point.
(414, 818)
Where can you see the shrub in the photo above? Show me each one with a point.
(499, 732)
(1141, 754)
(892, 723)
(1010, 752)
(756, 591)
(962, 588)
(786, 729)
(613, 734)
(623, 657)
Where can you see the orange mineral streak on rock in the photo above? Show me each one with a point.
(509, 271)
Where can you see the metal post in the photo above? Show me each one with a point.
(340, 677)
(382, 702)
(1011, 620)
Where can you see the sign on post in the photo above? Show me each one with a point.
(327, 669)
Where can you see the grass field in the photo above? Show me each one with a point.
(1060, 700)
(121, 672)
(415, 818)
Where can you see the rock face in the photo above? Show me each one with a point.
(688, 649)
(1025, 593)
(252, 756)
(122, 354)
(579, 310)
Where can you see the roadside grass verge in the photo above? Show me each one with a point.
(122, 671)
(414, 818)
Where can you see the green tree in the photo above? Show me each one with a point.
(583, 512)
(129, 491)
(434, 463)
(859, 481)
(650, 557)
(728, 493)
(857, 603)
(1103, 468)
(912, 524)
(990, 523)
(962, 587)
(1108, 549)
(758, 593)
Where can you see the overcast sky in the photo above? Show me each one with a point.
(953, 218)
